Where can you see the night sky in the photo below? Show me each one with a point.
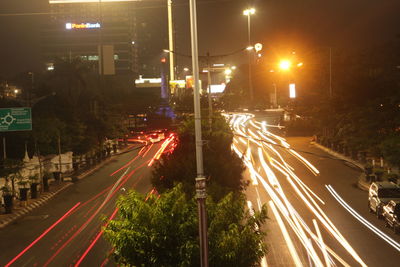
(278, 24)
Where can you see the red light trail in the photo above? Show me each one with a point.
(42, 235)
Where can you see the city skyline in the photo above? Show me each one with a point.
(222, 27)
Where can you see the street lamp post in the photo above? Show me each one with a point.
(248, 13)
(200, 179)
(171, 42)
(210, 112)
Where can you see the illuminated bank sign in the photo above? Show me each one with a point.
(71, 26)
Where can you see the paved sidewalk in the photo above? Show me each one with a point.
(20, 209)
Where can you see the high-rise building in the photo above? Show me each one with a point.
(80, 28)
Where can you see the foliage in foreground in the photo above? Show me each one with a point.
(164, 231)
(222, 167)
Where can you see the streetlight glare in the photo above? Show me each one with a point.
(185, 69)
(249, 48)
(166, 51)
(228, 71)
(285, 64)
(258, 47)
(250, 11)
(300, 64)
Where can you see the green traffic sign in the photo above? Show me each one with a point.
(15, 119)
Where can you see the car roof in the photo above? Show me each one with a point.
(386, 185)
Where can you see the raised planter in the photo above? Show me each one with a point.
(45, 183)
(8, 203)
(34, 191)
(57, 176)
(23, 194)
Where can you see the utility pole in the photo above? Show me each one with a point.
(200, 180)
(101, 60)
(29, 92)
(210, 111)
(330, 72)
(59, 155)
(250, 59)
(4, 146)
(171, 42)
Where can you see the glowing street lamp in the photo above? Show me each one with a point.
(228, 72)
(248, 12)
(258, 47)
(285, 64)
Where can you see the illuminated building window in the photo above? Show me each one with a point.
(95, 57)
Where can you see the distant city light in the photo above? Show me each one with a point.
(228, 72)
(133, 42)
(185, 69)
(218, 65)
(217, 88)
(258, 47)
(70, 26)
(86, 1)
(292, 90)
(233, 67)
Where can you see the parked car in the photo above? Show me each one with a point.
(391, 213)
(380, 193)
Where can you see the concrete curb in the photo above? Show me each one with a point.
(361, 183)
(338, 155)
(34, 204)
(45, 197)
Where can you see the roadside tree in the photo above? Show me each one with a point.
(162, 231)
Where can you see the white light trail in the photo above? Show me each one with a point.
(289, 242)
(361, 219)
(275, 191)
(322, 244)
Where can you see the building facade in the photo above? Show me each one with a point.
(93, 30)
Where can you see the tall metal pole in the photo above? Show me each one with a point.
(171, 42)
(4, 147)
(210, 111)
(330, 72)
(101, 60)
(59, 155)
(200, 180)
(250, 54)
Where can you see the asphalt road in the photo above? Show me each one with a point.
(320, 231)
(91, 201)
